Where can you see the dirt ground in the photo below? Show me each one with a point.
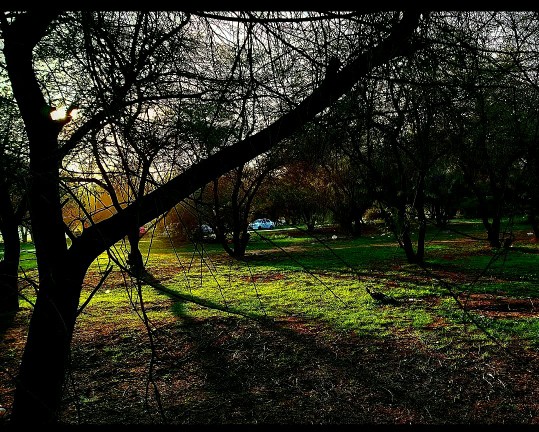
(237, 371)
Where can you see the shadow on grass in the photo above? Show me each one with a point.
(230, 370)
(295, 373)
(179, 308)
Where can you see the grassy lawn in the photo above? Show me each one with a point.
(468, 301)
(291, 273)
(320, 279)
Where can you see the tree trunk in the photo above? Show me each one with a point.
(9, 295)
(240, 239)
(408, 246)
(422, 231)
(493, 230)
(357, 227)
(24, 234)
(45, 359)
(240, 244)
(412, 256)
(421, 219)
(46, 354)
(134, 259)
(406, 242)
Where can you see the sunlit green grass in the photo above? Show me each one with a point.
(28, 256)
(320, 279)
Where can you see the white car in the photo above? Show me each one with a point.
(262, 224)
(204, 233)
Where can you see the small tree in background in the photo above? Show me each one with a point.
(301, 191)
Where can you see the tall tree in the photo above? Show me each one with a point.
(62, 267)
(518, 42)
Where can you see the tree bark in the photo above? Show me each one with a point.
(45, 359)
(9, 265)
(492, 228)
(134, 259)
(421, 219)
(403, 233)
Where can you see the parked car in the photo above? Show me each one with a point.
(204, 233)
(263, 223)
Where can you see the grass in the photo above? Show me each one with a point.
(319, 348)
(28, 256)
(290, 273)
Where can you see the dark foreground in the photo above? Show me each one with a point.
(237, 371)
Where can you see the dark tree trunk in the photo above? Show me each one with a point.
(357, 227)
(405, 237)
(45, 360)
(408, 246)
(240, 212)
(24, 234)
(493, 230)
(9, 265)
(422, 221)
(240, 240)
(134, 259)
(440, 214)
(485, 210)
(412, 256)
(41, 376)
